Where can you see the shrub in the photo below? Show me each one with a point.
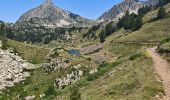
(134, 56)
(75, 95)
(92, 77)
(55, 54)
(5, 46)
(27, 81)
(104, 64)
(102, 36)
(161, 13)
(67, 61)
(103, 68)
(165, 41)
(50, 91)
(89, 59)
(23, 94)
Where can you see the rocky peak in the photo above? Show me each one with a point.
(47, 14)
(131, 0)
(48, 2)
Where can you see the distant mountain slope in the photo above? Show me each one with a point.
(119, 10)
(151, 2)
(47, 14)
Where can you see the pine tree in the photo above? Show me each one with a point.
(102, 36)
(161, 13)
(108, 29)
(9, 33)
(2, 27)
(138, 23)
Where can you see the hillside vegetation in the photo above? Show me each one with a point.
(128, 73)
(33, 54)
(134, 78)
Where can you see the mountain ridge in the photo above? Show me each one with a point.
(47, 14)
(117, 11)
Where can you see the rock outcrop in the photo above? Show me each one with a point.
(91, 49)
(69, 79)
(12, 68)
(55, 64)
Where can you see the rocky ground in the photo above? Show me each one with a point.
(12, 68)
(91, 49)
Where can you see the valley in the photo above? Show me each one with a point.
(86, 60)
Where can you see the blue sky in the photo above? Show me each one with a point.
(11, 10)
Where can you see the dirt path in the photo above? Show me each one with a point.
(163, 69)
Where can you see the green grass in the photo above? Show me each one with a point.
(123, 50)
(164, 49)
(150, 33)
(32, 53)
(40, 80)
(153, 13)
(134, 80)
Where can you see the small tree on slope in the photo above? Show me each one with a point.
(161, 13)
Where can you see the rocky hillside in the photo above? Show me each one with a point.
(151, 2)
(47, 14)
(12, 68)
(119, 10)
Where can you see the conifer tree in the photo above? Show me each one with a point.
(102, 36)
(161, 13)
(138, 23)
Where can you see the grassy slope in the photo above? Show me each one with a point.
(39, 81)
(153, 13)
(133, 79)
(151, 32)
(34, 54)
(164, 50)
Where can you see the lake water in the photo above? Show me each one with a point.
(73, 52)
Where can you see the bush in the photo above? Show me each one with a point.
(104, 64)
(75, 95)
(55, 54)
(161, 13)
(92, 77)
(103, 68)
(89, 59)
(5, 46)
(27, 81)
(50, 91)
(23, 94)
(67, 61)
(102, 36)
(164, 41)
(134, 56)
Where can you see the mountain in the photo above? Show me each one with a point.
(47, 14)
(152, 2)
(119, 10)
